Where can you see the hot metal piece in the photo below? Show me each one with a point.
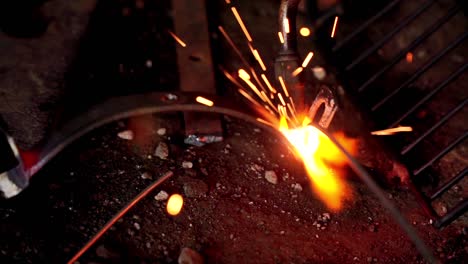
(325, 97)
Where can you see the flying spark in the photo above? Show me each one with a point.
(284, 86)
(204, 101)
(265, 79)
(241, 23)
(307, 59)
(281, 37)
(334, 27)
(305, 32)
(409, 57)
(391, 131)
(281, 99)
(174, 204)
(180, 41)
(256, 54)
(287, 26)
(297, 71)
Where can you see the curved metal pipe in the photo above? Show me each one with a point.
(287, 25)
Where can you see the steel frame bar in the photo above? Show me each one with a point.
(427, 33)
(448, 184)
(421, 70)
(387, 37)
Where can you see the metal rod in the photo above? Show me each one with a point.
(441, 153)
(119, 215)
(434, 127)
(394, 212)
(287, 24)
(427, 33)
(364, 25)
(421, 70)
(426, 98)
(458, 210)
(448, 184)
(384, 40)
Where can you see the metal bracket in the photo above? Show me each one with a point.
(324, 98)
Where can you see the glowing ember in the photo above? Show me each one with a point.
(287, 26)
(391, 131)
(174, 204)
(409, 57)
(182, 43)
(204, 101)
(305, 32)
(334, 27)
(285, 89)
(322, 160)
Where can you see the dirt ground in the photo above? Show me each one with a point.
(231, 213)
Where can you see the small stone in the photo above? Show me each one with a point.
(189, 256)
(297, 187)
(148, 245)
(187, 165)
(440, 208)
(161, 131)
(161, 196)
(137, 226)
(103, 252)
(271, 177)
(319, 72)
(162, 151)
(369, 259)
(195, 188)
(257, 130)
(147, 176)
(127, 134)
(371, 228)
(326, 216)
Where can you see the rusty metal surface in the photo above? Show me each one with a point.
(195, 63)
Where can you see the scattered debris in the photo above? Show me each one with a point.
(161, 196)
(147, 176)
(187, 165)
(319, 72)
(162, 151)
(297, 187)
(189, 256)
(127, 134)
(195, 188)
(372, 228)
(103, 252)
(256, 167)
(137, 226)
(161, 131)
(271, 177)
(149, 63)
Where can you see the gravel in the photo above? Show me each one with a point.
(187, 165)
(161, 196)
(127, 135)
(271, 177)
(195, 188)
(162, 151)
(190, 256)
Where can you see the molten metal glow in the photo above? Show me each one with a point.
(305, 32)
(322, 160)
(204, 101)
(174, 204)
(334, 27)
(287, 26)
(180, 41)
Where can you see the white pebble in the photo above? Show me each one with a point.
(297, 187)
(162, 151)
(271, 177)
(187, 165)
(137, 226)
(161, 196)
(127, 134)
(149, 63)
(161, 131)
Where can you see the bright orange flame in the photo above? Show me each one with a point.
(322, 160)
(174, 204)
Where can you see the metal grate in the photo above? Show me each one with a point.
(390, 86)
